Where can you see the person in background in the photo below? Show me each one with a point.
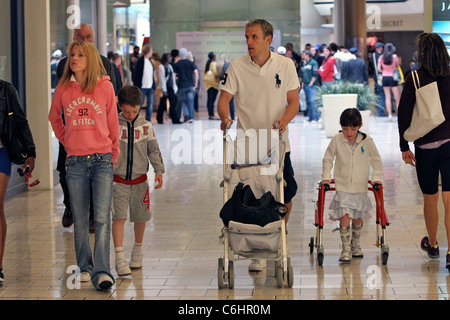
(144, 78)
(387, 63)
(326, 70)
(56, 57)
(379, 48)
(168, 86)
(290, 53)
(134, 57)
(355, 70)
(187, 74)
(117, 63)
(8, 94)
(309, 84)
(212, 88)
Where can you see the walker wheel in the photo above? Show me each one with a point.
(311, 245)
(320, 258)
(385, 257)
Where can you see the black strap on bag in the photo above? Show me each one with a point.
(12, 137)
(243, 207)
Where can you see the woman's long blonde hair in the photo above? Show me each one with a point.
(94, 67)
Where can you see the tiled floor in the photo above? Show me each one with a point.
(182, 240)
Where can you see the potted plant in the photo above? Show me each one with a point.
(334, 99)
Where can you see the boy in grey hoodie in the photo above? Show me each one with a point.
(138, 145)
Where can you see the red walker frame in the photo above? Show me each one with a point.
(381, 221)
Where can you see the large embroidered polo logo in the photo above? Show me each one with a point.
(224, 79)
(277, 81)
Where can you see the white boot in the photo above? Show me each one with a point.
(356, 234)
(346, 245)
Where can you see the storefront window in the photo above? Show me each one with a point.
(132, 27)
(441, 20)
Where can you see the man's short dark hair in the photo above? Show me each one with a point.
(266, 27)
(130, 95)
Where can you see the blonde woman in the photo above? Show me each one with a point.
(90, 137)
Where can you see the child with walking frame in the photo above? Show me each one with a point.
(353, 154)
(138, 145)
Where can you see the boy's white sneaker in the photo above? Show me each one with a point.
(122, 268)
(85, 277)
(136, 260)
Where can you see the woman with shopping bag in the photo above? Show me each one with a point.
(432, 148)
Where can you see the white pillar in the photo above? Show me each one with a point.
(102, 36)
(38, 87)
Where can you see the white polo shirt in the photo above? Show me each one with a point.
(260, 93)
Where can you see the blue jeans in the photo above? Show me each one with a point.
(310, 93)
(149, 93)
(381, 106)
(94, 170)
(185, 100)
(328, 83)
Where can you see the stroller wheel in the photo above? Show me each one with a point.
(290, 276)
(311, 245)
(231, 275)
(279, 275)
(221, 274)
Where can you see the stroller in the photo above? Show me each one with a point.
(381, 220)
(250, 241)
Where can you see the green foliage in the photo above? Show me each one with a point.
(367, 99)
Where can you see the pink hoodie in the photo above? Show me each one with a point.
(91, 120)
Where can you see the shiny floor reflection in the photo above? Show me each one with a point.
(181, 243)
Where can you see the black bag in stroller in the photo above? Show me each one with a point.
(245, 208)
